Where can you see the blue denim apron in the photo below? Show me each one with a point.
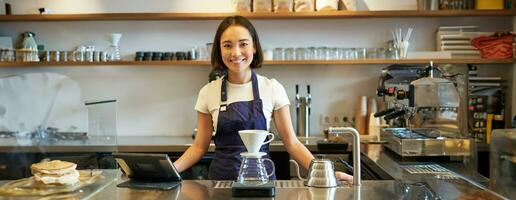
(236, 116)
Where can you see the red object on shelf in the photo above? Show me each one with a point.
(497, 46)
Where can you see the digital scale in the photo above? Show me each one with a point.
(264, 190)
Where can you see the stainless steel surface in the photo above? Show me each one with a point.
(336, 158)
(406, 142)
(356, 151)
(419, 100)
(303, 112)
(460, 178)
(407, 185)
(277, 183)
(303, 119)
(321, 173)
(123, 144)
(370, 190)
(503, 162)
(435, 92)
(426, 169)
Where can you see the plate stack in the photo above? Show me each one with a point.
(457, 41)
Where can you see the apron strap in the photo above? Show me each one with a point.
(224, 93)
(256, 92)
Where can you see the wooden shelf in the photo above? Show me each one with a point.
(115, 63)
(266, 63)
(391, 61)
(285, 15)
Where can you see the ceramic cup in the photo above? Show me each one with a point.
(254, 139)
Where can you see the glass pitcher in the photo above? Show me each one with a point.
(253, 171)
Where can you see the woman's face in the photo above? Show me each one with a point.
(237, 48)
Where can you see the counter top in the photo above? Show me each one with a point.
(121, 144)
(449, 177)
(293, 189)
(457, 183)
(105, 188)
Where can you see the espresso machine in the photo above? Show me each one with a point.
(424, 111)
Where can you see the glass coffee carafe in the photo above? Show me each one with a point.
(253, 171)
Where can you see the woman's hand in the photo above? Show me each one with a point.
(341, 176)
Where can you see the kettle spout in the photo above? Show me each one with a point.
(297, 170)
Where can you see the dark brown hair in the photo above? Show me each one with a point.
(216, 57)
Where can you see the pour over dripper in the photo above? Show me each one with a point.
(254, 139)
(114, 38)
(113, 51)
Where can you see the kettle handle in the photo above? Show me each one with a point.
(273, 168)
(297, 170)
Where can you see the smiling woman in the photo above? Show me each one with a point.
(242, 100)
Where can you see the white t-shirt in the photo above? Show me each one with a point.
(272, 93)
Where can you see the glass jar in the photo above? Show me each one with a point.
(322, 53)
(290, 54)
(6, 55)
(310, 53)
(361, 53)
(278, 54)
(300, 53)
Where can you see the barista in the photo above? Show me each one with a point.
(241, 100)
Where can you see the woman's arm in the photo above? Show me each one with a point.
(295, 148)
(201, 143)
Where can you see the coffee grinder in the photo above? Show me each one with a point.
(253, 179)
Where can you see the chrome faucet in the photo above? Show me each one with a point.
(356, 151)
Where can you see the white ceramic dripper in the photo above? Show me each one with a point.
(114, 38)
(254, 139)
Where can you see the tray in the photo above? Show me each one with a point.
(31, 187)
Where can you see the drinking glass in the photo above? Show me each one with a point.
(332, 54)
(278, 54)
(361, 53)
(54, 56)
(6, 55)
(290, 54)
(64, 56)
(89, 53)
(311, 53)
(350, 54)
(322, 53)
(300, 53)
(380, 52)
(338, 53)
(371, 53)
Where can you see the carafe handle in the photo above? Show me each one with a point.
(297, 170)
(273, 168)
